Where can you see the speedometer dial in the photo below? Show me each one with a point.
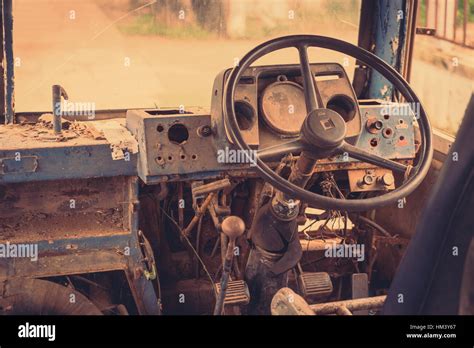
(283, 107)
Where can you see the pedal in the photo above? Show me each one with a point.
(360, 289)
(315, 285)
(237, 293)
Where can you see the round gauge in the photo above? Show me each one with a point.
(283, 107)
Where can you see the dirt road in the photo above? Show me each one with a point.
(57, 46)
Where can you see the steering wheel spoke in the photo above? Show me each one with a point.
(312, 96)
(368, 157)
(276, 152)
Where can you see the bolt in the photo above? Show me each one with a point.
(366, 180)
(373, 125)
(205, 131)
(378, 125)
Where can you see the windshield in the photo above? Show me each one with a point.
(133, 53)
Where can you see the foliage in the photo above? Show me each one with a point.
(148, 24)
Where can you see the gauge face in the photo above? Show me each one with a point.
(283, 107)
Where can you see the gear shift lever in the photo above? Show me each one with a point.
(233, 227)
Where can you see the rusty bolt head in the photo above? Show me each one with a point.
(374, 125)
(233, 227)
(366, 180)
(205, 131)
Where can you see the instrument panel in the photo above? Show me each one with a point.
(270, 109)
(270, 105)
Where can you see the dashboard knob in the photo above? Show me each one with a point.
(374, 125)
(387, 179)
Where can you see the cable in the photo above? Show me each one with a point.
(375, 226)
(198, 244)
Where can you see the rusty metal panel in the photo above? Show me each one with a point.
(54, 197)
(396, 138)
(381, 180)
(54, 265)
(173, 143)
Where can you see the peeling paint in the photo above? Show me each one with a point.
(394, 45)
(389, 40)
(385, 92)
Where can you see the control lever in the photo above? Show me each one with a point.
(233, 227)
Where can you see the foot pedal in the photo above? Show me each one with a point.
(315, 285)
(360, 289)
(237, 293)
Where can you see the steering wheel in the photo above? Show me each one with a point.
(323, 131)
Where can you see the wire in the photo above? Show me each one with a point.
(194, 250)
(198, 246)
(308, 237)
(375, 225)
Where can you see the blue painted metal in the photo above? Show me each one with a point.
(8, 46)
(69, 256)
(117, 241)
(399, 145)
(390, 25)
(71, 162)
(401, 142)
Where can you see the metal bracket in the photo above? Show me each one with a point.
(425, 31)
(15, 165)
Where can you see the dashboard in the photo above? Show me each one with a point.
(270, 108)
(270, 104)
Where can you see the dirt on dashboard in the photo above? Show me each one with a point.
(41, 226)
(25, 135)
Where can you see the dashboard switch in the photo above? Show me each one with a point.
(367, 180)
(386, 180)
(374, 125)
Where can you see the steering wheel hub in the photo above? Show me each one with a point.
(323, 129)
